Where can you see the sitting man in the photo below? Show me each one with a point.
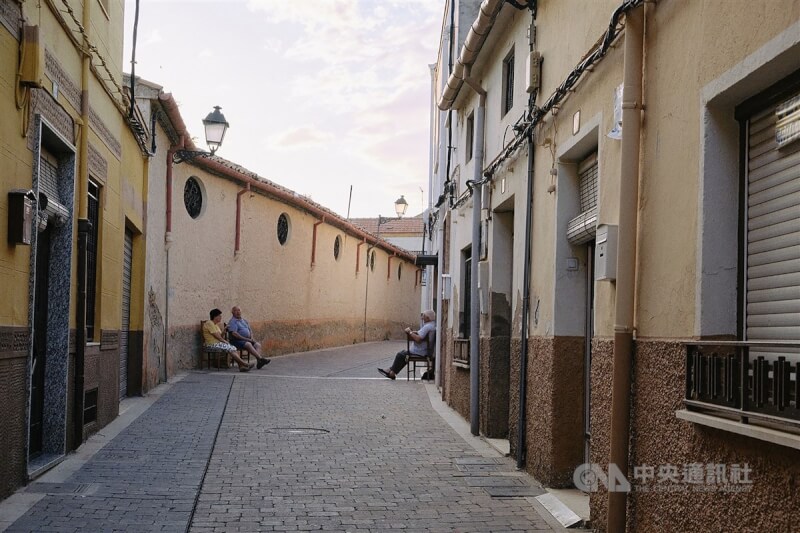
(212, 338)
(419, 346)
(241, 336)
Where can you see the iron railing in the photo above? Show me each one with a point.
(749, 380)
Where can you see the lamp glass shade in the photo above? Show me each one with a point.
(216, 126)
(400, 206)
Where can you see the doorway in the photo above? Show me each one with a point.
(39, 359)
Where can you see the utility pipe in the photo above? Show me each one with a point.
(84, 227)
(239, 221)
(522, 419)
(168, 237)
(474, 315)
(626, 261)
(444, 179)
(313, 239)
(358, 255)
(526, 305)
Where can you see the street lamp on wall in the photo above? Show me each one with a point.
(215, 127)
(400, 207)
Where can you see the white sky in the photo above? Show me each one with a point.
(320, 94)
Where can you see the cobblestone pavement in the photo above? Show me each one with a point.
(313, 441)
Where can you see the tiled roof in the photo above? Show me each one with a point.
(411, 225)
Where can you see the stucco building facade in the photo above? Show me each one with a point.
(73, 204)
(114, 251)
(624, 174)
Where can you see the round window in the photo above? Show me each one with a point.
(337, 245)
(283, 228)
(193, 197)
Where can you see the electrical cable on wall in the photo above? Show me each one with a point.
(133, 59)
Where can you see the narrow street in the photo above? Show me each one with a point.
(314, 441)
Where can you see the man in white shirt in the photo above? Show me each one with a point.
(419, 344)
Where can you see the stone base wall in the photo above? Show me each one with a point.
(659, 438)
(101, 370)
(494, 383)
(455, 381)
(554, 432)
(280, 338)
(13, 410)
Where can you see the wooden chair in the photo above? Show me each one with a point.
(212, 354)
(412, 361)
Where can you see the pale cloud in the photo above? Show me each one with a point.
(301, 137)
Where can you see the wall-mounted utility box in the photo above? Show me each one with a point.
(605, 263)
(447, 286)
(533, 71)
(20, 216)
(31, 57)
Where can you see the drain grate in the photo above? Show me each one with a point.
(298, 431)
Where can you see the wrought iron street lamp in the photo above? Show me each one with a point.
(400, 207)
(215, 127)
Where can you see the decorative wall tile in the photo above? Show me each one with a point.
(42, 103)
(10, 16)
(98, 165)
(104, 133)
(66, 85)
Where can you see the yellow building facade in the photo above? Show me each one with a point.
(72, 208)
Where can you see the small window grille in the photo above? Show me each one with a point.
(508, 82)
(588, 184)
(336, 247)
(193, 197)
(283, 228)
(470, 135)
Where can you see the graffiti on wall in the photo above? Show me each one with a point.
(156, 325)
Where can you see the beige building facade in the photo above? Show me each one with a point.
(220, 236)
(636, 248)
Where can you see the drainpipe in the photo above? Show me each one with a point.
(626, 261)
(84, 227)
(314, 241)
(239, 221)
(474, 315)
(167, 245)
(526, 305)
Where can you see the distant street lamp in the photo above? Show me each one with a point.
(400, 207)
(215, 127)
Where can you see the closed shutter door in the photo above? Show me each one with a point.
(583, 228)
(126, 315)
(773, 233)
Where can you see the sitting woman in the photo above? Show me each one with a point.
(212, 338)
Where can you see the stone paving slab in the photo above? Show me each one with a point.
(312, 442)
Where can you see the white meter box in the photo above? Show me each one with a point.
(605, 263)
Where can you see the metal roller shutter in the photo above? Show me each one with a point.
(126, 314)
(773, 232)
(583, 227)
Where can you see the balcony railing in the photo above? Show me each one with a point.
(754, 381)
(461, 353)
